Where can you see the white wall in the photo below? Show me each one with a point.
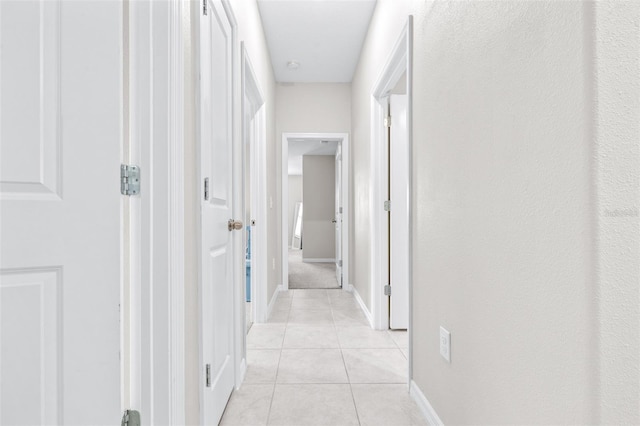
(295, 196)
(615, 158)
(526, 184)
(318, 193)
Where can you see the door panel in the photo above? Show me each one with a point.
(216, 210)
(338, 213)
(60, 136)
(399, 196)
(29, 165)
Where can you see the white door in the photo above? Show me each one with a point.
(216, 210)
(60, 140)
(399, 196)
(338, 214)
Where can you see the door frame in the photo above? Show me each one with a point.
(346, 150)
(153, 360)
(253, 134)
(400, 61)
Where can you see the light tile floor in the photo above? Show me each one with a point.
(317, 362)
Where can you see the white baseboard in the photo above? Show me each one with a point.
(423, 404)
(363, 306)
(273, 300)
(318, 260)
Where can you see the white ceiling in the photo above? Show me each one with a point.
(324, 36)
(300, 147)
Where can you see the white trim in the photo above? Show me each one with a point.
(424, 405)
(156, 310)
(400, 60)
(272, 303)
(318, 260)
(346, 207)
(176, 214)
(351, 288)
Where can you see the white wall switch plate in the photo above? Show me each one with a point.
(445, 344)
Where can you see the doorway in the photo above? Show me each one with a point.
(391, 225)
(254, 178)
(315, 227)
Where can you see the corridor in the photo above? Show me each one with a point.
(317, 362)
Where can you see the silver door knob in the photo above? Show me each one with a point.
(235, 224)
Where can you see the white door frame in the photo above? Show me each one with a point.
(346, 150)
(399, 62)
(253, 134)
(153, 318)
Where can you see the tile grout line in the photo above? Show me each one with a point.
(344, 364)
(275, 381)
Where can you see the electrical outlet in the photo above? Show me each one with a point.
(445, 344)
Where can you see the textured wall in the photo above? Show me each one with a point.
(525, 174)
(503, 229)
(617, 191)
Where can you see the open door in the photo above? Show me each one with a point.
(399, 213)
(338, 214)
(216, 201)
(60, 142)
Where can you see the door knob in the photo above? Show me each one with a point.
(334, 221)
(235, 224)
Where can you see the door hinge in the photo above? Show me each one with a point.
(340, 210)
(206, 189)
(204, 7)
(340, 263)
(387, 290)
(387, 205)
(207, 373)
(130, 418)
(129, 179)
(387, 121)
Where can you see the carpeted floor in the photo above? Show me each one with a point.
(310, 275)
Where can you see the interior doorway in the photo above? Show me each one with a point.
(314, 210)
(254, 298)
(391, 224)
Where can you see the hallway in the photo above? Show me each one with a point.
(317, 362)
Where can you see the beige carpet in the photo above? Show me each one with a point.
(310, 275)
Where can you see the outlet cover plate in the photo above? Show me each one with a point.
(445, 344)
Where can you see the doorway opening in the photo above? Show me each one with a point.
(315, 210)
(254, 204)
(391, 226)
